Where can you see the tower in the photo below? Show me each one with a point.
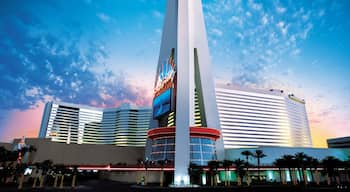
(185, 127)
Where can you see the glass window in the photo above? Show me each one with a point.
(195, 140)
(159, 148)
(196, 156)
(170, 147)
(171, 140)
(159, 141)
(208, 156)
(208, 148)
(195, 148)
(158, 156)
(207, 141)
(197, 162)
(170, 156)
(205, 162)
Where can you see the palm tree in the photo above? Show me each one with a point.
(289, 161)
(227, 164)
(314, 165)
(6, 157)
(161, 163)
(347, 168)
(20, 168)
(330, 165)
(308, 164)
(259, 154)
(280, 163)
(74, 173)
(60, 171)
(239, 163)
(45, 167)
(300, 160)
(145, 163)
(36, 174)
(64, 170)
(195, 172)
(213, 167)
(247, 154)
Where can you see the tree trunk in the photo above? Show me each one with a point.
(290, 175)
(337, 179)
(295, 179)
(146, 177)
(161, 178)
(228, 180)
(280, 172)
(283, 178)
(56, 180)
(305, 177)
(328, 179)
(239, 181)
(42, 178)
(34, 182)
(247, 166)
(21, 181)
(74, 180)
(300, 173)
(62, 180)
(312, 175)
(249, 180)
(317, 177)
(259, 170)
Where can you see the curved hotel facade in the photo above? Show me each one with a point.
(70, 123)
(251, 118)
(248, 118)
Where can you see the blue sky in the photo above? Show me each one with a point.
(103, 53)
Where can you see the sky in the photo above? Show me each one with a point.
(104, 53)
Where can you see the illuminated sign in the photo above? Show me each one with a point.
(162, 104)
(166, 75)
(164, 89)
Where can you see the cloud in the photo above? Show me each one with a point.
(44, 66)
(305, 32)
(254, 6)
(296, 52)
(264, 20)
(321, 13)
(216, 32)
(158, 31)
(157, 14)
(235, 20)
(281, 27)
(281, 10)
(103, 17)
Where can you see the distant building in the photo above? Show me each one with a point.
(79, 124)
(340, 142)
(252, 118)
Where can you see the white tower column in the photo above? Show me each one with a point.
(185, 94)
(184, 39)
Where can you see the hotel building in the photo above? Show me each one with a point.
(79, 124)
(248, 118)
(251, 118)
(340, 142)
